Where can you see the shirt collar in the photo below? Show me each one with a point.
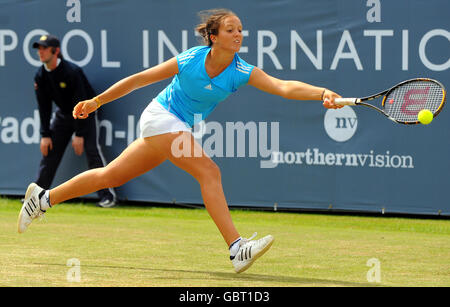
(57, 63)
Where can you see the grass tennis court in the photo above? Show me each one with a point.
(160, 246)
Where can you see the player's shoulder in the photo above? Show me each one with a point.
(192, 53)
(70, 66)
(241, 66)
(197, 49)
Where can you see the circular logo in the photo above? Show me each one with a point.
(340, 124)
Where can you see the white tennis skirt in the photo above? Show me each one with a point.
(157, 120)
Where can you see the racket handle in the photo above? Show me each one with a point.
(346, 101)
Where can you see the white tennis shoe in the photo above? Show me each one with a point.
(249, 251)
(31, 208)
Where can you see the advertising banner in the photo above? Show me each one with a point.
(272, 152)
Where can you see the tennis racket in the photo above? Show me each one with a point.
(405, 100)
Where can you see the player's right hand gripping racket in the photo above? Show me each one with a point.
(405, 100)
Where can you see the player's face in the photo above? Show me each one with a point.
(230, 34)
(45, 54)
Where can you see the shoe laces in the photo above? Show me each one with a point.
(244, 240)
(245, 252)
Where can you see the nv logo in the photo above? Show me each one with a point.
(345, 122)
(208, 87)
(341, 124)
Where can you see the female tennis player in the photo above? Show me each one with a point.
(202, 77)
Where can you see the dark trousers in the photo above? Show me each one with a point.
(62, 128)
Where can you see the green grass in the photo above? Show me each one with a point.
(154, 246)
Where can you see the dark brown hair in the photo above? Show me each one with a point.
(59, 54)
(210, 23)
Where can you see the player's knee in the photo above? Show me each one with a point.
(210, 173)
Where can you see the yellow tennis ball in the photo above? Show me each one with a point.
(425, 117)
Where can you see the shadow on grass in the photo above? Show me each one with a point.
(284, 281)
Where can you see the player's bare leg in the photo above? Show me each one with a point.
(141, 156)
(188, 155)
(138, 158)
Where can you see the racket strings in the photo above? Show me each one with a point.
(407, 100)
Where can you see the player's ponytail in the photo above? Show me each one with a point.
(210, 23)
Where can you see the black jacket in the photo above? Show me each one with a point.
(66, 86)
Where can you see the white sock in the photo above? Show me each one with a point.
(45, 201)
(234, 247)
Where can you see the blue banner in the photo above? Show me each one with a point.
(273, 152)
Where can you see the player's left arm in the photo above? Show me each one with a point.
(126, 85)
(288, 89)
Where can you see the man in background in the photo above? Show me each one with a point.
(64, 83)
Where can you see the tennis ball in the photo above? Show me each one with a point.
(425, 117)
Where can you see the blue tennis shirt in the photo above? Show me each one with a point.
(192, 92)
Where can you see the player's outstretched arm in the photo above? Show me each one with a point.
(295, 90)
(123, 87)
